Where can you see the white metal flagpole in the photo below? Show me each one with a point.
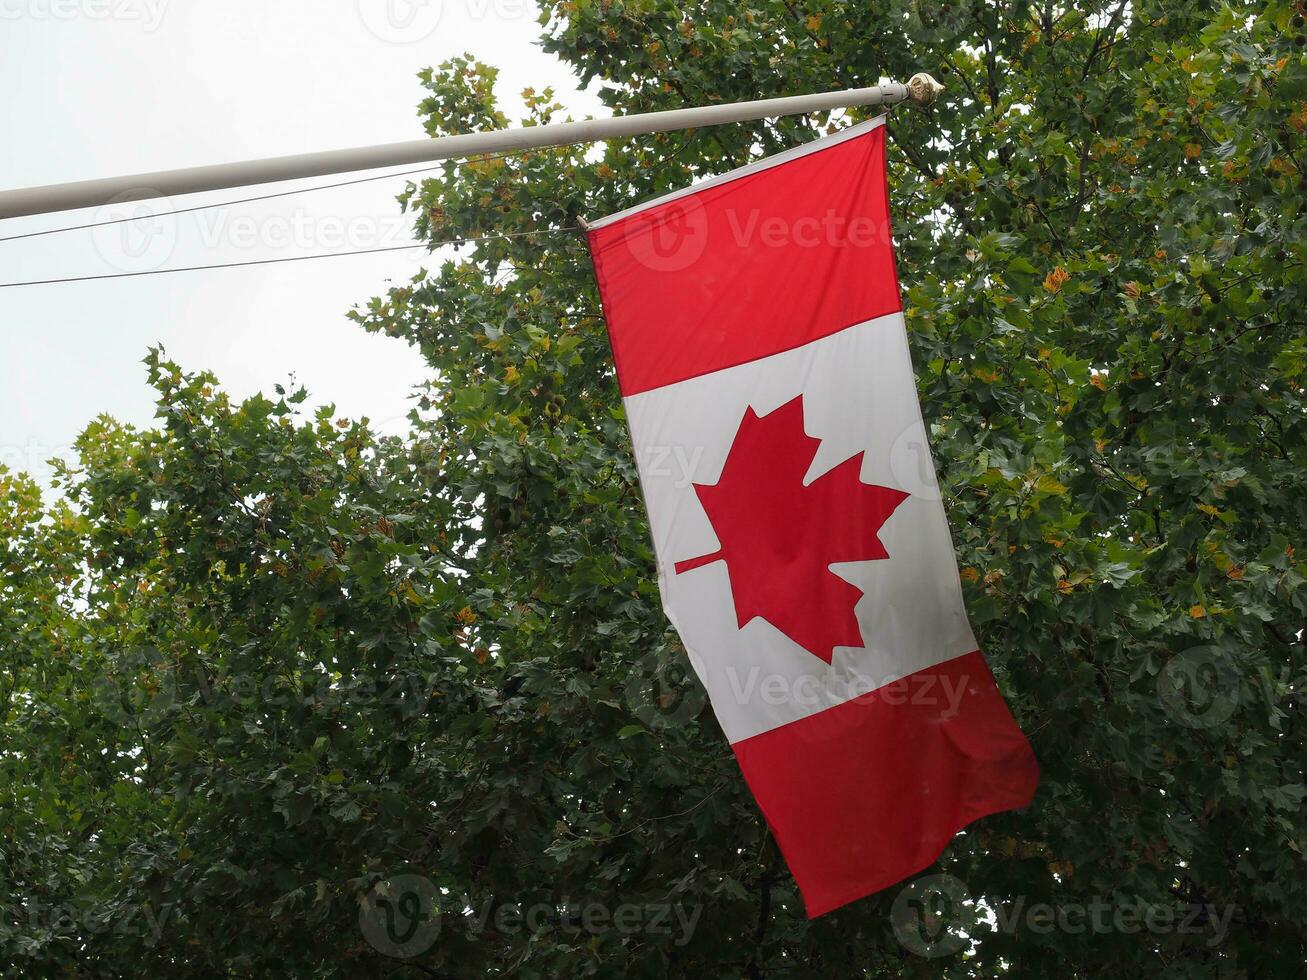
(921, 89)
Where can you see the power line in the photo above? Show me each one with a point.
(261, 197)
(289, 258)
(202, 207)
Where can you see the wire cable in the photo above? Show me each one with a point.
(303, 190)
(202, 207)
(288, 258)
(267, 197)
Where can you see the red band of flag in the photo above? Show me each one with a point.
(871, 791)
(790, 253)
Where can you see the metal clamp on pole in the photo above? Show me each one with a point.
(921, 89)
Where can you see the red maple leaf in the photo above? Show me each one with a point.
(779, 537)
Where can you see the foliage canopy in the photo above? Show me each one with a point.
(254, 662)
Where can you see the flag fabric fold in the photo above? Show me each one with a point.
(803, 552)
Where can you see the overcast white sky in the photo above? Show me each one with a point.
(98, 88)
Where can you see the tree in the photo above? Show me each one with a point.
(259, 663)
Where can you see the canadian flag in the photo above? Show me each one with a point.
(803, 552)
